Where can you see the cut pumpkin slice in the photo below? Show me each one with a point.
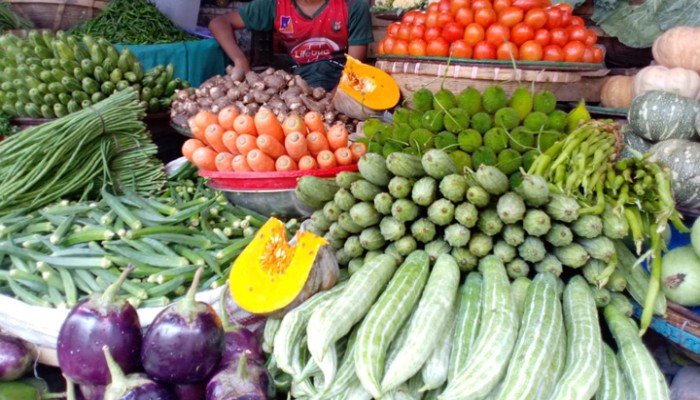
(365, 90)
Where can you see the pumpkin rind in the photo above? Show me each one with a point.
(678, 47)
(617, 92)
(660, 116)
(681, 156)
(680, 81)
(633, 145)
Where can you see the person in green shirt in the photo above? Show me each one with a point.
(316, 33)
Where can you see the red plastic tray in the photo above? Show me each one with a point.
(267, 180)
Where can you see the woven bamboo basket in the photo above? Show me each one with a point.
(688, 327)
(57, 14)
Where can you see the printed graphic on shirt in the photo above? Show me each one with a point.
(286, 25)
(314, 49)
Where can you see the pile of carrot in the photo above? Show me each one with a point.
(232, 141)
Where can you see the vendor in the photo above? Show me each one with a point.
(316, 33)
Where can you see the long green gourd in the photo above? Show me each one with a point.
(467, 322)
(612, 382)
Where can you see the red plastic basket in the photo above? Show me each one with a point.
(268, 180)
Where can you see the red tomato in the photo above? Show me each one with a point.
(598, 54)
(432, 34)
(380, 47)
(553, 52)
(405, 32)
(531, 51)
(431, 19)
(559, 36)
(497, 34)
(410, 16)
(400, 48)
(588, 56)
(433, 7)
(464, 16)
(507, 51)
(500, 5)
(485, 17)
(444, 19)
(577, 21)
(530, 4)
(461, 49)
(457, 5)
(566, 13)
(444, 6)
(536, 18)
(521, 33)
(452, 31)
(484, 51)
(417, 32)
(474, 33)
(389, 44)
(543, 37)
(573, 51)
(393, 29)
(577, 33)
(553, 17)
(511, 16)
(479, 4)
(420, 19)
(438, 48)
(591, 38)
(416, 47)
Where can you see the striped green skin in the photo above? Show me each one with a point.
(301, 358)
(291, 330)
(431, 315)
(637, 278)
(467, 322)
(434, 371)
(487, 364)
(386, 317)
(552, 374)
(612, 382)
(346, 371)
(518, 290)
(645, 380)
(398, 343)
(357, 392)
(584, 354)
(271, 327)
(541, 325)
(328, 324)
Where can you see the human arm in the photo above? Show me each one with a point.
(358, 52)
(223, 28)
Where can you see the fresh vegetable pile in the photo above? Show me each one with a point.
(6, 127)
(281, 92)
(231, 141)
(493, 30)
(474, 128)
(48, 76)
(132, 22)
(10, 20)
(680, 271)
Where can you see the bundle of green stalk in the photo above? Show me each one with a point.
(62, 253)
(75, 156)
(636, 191)
(10, 20)
(133, 22)
(47, 76)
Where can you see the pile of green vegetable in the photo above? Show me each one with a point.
(66, 251)
(10, 20)
(52, 76)
(6, 127)
(406, 330)
(475, 128)
(133, 22)
(105, 145)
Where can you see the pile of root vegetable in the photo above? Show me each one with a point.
(277, 90)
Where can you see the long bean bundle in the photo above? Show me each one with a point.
(76, 155)
(10, 20)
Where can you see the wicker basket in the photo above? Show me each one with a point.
(57, 14)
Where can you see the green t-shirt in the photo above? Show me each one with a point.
(259, 15)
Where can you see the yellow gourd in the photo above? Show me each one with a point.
(364, 91)
(272, 275)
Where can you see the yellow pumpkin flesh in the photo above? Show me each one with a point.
(369, 86)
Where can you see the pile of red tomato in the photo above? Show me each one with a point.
(529, 30)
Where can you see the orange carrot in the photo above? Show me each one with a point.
(245, 143)
(229, 139)
(270, 146)
(326, 159)
(358, 150)
(223, 161)
(244, 124)
(314, 121)
(190, 146)
(214, 137)
(226, 117)
(204, 119)
(239, 164)
(204, 158)
(306, 163)
(316, 142)
(259, 161)
(285, 163)
(337, 137)
(294, 123)
(266, 122)
(343, 155)
(295, 143)
(194, 129)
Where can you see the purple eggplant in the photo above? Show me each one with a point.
(195, 391)
(91, 392)
(16, 358)
(100, 320)
(184, 343)
(133, 386)
(234, 314)
(239, 341)
(246, 380)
